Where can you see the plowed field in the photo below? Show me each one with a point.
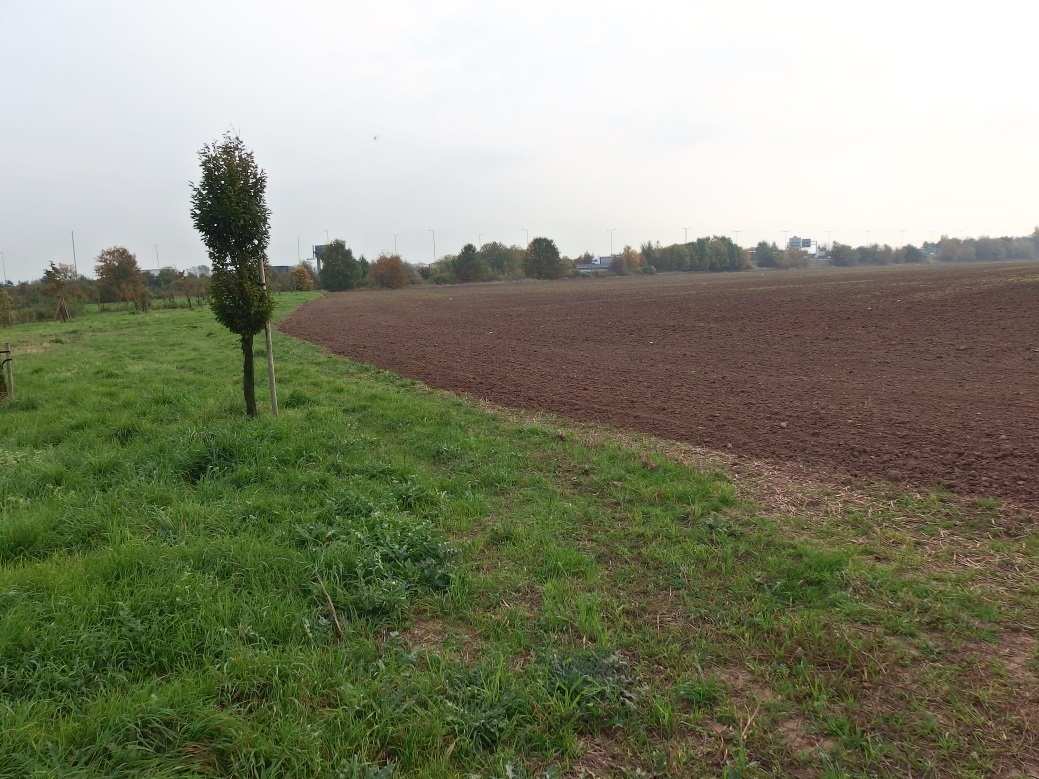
(926, 376)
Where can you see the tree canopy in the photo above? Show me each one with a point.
(469, 265)
(339, 269)
(229, 210)
(119, 277)
(542, 260)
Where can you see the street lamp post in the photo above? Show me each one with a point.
(434, 232)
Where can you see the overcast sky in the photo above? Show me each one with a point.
(827, 119)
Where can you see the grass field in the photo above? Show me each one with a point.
(389, 581)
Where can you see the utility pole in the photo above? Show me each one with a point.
(272, 385)
(479, 240)
(156, 256)
(434, 232)
(299, 249)
(395, 242)
(75, 265)
(526, 234)
(612, 231)
(326, 237)
(685, 234)
(3, 266)
(737, 232)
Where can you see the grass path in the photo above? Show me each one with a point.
(388, 581)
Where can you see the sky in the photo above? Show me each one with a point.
(476, 121)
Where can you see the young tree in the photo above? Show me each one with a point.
(229, 209)
(60, 281)
(470, 266)
(542, 260)
(339, 269)
(389, 271)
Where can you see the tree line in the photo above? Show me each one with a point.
(119, 280)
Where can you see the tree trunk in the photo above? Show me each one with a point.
(248, 376)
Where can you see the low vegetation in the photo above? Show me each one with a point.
(388, 581)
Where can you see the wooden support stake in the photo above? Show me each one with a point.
(271, 383)
(9, 367)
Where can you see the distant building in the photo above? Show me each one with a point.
(806, 245)
(594, 264)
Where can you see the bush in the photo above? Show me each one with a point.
(389, 271)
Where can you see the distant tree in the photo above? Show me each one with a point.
(339, 269)
(792, 258)
(766, 255)
(842, 254)
(628, 261)
(6, 307)
(470, 266)
(503, 261)
(60, 281)
(302, 279)
(390, 272)
(119, 277)
(542, 260)
(229, 209)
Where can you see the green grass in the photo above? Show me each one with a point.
(388, 581)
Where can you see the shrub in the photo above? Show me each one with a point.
(388, 271)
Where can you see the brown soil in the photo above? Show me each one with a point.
(926, 376)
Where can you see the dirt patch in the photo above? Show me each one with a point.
(1016, 653)
(434, 635)
(602, 757)
(917, 376)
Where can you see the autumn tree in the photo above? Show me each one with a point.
(229, 210)
(60, 281)
(302, 279)
(119, 277)
(389, 271)
(542, 260)
(628, 261)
